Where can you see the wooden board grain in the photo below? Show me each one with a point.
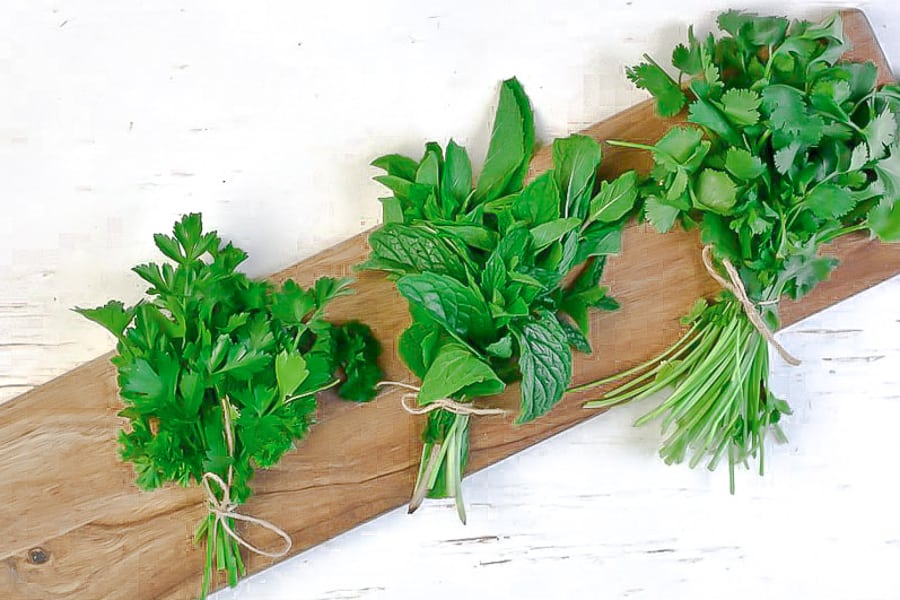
(64, 491)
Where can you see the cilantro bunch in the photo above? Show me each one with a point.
(499, 276)
(209, 340)
(786, 149)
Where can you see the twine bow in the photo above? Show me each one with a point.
(224, 508)
(736, 287)
(448, 404)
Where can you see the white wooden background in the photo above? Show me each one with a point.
(115, 118)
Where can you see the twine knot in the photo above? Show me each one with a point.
(448, 404)
(736, 287)
(224, 507)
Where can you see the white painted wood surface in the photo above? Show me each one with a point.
(117, 117)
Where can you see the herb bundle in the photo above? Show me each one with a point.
(484, 269)
(219, 375)
(787, 149)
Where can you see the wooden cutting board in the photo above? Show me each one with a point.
(73, 525)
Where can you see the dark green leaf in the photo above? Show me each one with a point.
(507, 150)
(455, 372)
(113, 316)
(398, 166)
(457, 307)
(575, 162)
(546, 365)
(456, 180)
(405, 249)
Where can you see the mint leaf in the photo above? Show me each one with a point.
(456, 372)
(546, 365)
(539, 202)
(456, 180)
(547, 233)
(401, 249)
(457, 307)
(575, 162)
(507, 149)
(615, 198)
(401, 167)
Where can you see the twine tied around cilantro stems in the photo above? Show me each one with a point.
(736, 287)
(223, 508)
(448, 404)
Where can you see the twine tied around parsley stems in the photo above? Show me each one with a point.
(223, 508)
(448, 404)
(736, 287)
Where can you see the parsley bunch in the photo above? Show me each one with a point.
(209, 340)
(484, 269)
(787, 149)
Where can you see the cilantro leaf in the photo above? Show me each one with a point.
(651, 77)
(715, 191)
(741, 106)
(829, 201)
(661, 215)
(743, 165)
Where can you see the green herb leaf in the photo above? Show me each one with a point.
(457, 307)
(507, 150)
(650, 76)
(615, 198)
(455, 372)
(715, 191)
(546, 364)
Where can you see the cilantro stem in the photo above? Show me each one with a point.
(636, 146)
(638, 368)
(842, 232)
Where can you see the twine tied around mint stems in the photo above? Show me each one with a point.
(448, 404)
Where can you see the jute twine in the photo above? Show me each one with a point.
(736, 287)
(448, 404)
(224, 508)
